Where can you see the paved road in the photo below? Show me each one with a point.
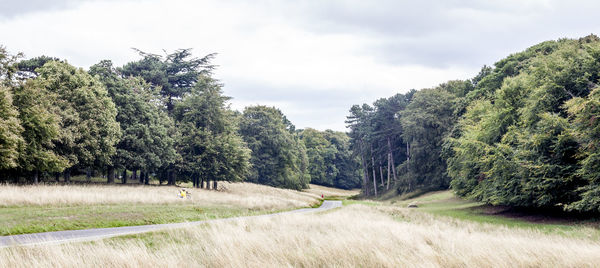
(100, 233)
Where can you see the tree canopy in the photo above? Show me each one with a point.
(278, 154)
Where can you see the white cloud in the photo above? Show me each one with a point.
(311, 59)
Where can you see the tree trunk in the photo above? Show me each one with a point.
(36, 177)
(173, 175)
(67, 175)
(373, 168)
(169, 178)
(365, 171)
(57, 176)
(134, 176)
(88, 175)
(142, 173)
(202, 183)
(408, 164)
(392, 158)
(215, 185)
(407, 157)
(146, 178)
(388, 172)
(110, 175)
(124, 178)
(381, 174)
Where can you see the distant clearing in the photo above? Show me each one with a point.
(329, 192)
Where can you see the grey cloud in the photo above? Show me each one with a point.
(14, 8)
(10, 8)
(442, 33)
(306, 107)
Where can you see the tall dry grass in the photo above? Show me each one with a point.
(331, 192)
(355, 236)
(242, 195)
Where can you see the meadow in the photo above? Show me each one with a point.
(42, 208)
(444, 231)
(357, 235)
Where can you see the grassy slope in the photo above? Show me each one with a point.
(352, 236)
(32, 209)
(445, 203)
(35, 219)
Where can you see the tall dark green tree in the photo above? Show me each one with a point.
(585, 113)
(331, 162)
(175, 73)
(145, 143)
(40, 119)
(515, 145)
(210, 145)
(10, 130)
(425, 123)
(278, 155)
(88, 129)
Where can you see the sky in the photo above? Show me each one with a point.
(311, 59)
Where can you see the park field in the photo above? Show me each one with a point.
(357, 235)
(43, 208)
(443, 232)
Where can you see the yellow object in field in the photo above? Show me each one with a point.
(183, 194)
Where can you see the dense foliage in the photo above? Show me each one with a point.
(210, 145)
(331, 162)
(523, 133)
(518, 146)
(278, 154)
(161, 116)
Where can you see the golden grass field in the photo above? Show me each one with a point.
(357, 235)
(354, 236)
(242, 195)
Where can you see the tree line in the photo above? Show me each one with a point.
(163, 117)
(523, 133)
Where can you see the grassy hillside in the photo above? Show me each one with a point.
(446, 204)
(42, 208)
(354, 236)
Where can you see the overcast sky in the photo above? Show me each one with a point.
(311, 59)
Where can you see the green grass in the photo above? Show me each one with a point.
(348, 202)
(35, 219)
(445, 203)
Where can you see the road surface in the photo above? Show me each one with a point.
(100, 233)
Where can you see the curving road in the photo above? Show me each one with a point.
(100, 233)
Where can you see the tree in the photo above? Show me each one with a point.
(8, 66)
(426, 121)
(515, 145)
(321, 156)
(145, 143)
(10, 130)
(88, 129)
(330, 159)
(210, 146)
(175, 74)
(359, 122)
(278, 155)
(40, 119)
(585, 113)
